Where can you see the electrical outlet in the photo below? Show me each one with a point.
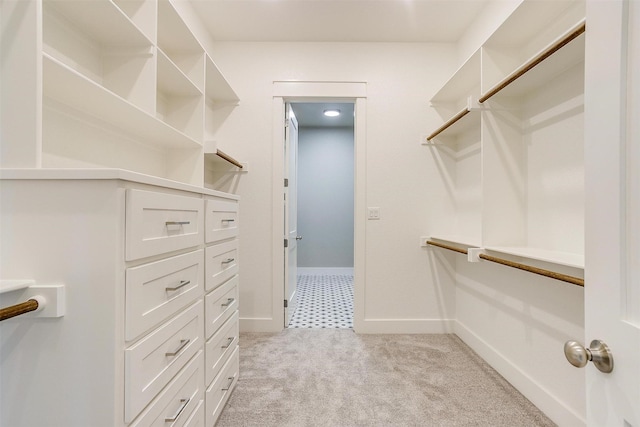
(373, 213)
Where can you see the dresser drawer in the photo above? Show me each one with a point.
(180, 398)
(220, 346)
(197, 417)
(221, 263)
(219, 391)
(157, 223)
(151, 363)
(154, 291)
(222, 220)
(220, 305)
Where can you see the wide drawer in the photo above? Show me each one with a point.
(156, 290)
(222, 220)
(158, 223)
(219, 391)
(221, 263)
(220, 305)
(220, 346)
(151, 363)
(178, 400)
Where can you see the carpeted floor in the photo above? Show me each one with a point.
(336, 378)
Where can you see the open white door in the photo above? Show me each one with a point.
(290, 214)
(612, 161)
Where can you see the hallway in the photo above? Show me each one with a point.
(324, 301)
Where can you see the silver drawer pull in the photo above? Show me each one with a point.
(184, 402)
(228, 220)
(168, 223)
(230, 340)
(183, 344)
(230, 382)
(229, 302)
(182, 284)
(228, 260)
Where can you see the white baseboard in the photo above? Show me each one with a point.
(546, 402)
(261, 325)
(325, 270)
(403, 326)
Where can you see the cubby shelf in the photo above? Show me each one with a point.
(125, 84)
(71, 88)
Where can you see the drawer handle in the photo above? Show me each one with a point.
(230, 383)
(183, 344)
(229, 342)
(228, 220)
(229, 302)
(228, 260)
(184, 402)
(168, 223)
(182, 284)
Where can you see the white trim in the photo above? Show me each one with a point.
(406, 326)
(532, 390)
(318, 271)
(313, 91)
(305, 90)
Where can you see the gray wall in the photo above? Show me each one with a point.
(325, 197)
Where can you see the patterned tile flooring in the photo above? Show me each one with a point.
(324, 301)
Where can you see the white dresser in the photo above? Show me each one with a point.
(150, 267)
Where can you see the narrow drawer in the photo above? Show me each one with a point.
(221, 263)
(197, 417)
(220, 305)
(219, 391)
(219, 347)
(222, 220)
(158, 223)
(151, 363)
(154, 291)
(174, 404)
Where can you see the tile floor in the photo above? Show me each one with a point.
(324, 301)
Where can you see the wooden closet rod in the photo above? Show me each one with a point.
(442, 245)
(448, 123)
(552, 274)
(228, 158)
(547, 52)
(18, 309)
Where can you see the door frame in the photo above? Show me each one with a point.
(297, 91)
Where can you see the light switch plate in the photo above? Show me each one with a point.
(373, 213)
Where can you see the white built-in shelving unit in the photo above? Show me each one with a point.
(510, 147)
(121, 84)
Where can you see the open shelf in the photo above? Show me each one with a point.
(216, 87)
(222, 159)
(178, 42)
(99, 20)
(73, 89)
(554, 257)
(464, 82)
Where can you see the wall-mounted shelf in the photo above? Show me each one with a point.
(221, 158)
(546, 63)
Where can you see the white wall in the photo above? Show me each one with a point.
(325, 197)
(401, 179)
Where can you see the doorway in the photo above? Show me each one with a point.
(319, 214)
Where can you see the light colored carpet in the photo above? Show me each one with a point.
(336, 378)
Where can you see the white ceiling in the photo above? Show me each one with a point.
(338, 20)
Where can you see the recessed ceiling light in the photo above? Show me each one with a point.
(331, 113)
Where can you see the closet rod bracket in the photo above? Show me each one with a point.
(50, 298)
